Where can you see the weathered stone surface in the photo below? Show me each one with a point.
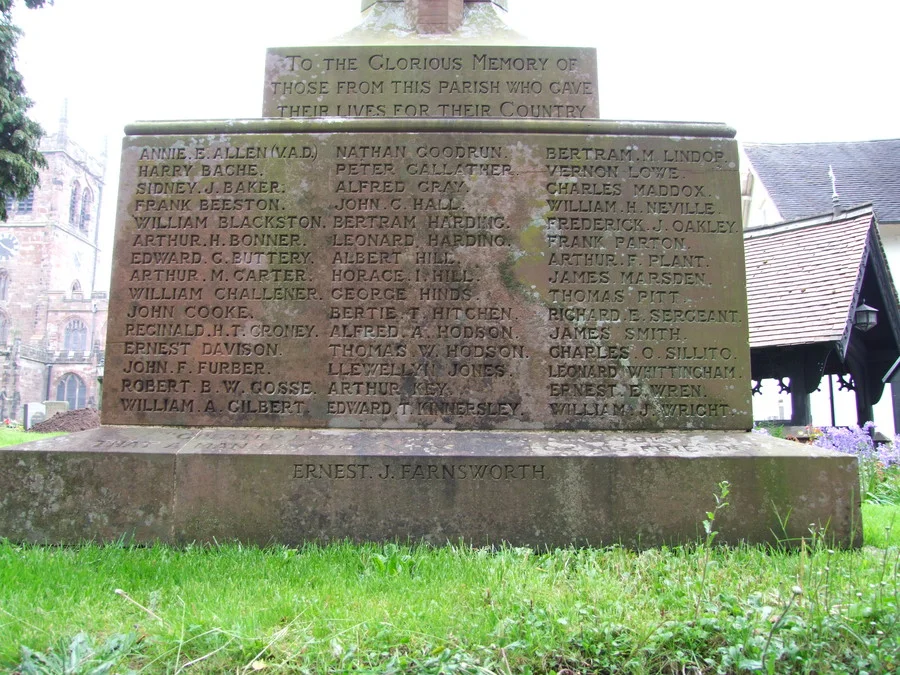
(368, 3)
(522, 488)
(52, 408)
(430, 279)
(34, 413)
(100, 485)
(436, 16)
(438, 82)
(389, 22)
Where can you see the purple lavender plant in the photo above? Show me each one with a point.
(879, 468)
(889, 454)
(849, 440)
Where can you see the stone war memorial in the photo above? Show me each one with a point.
(429, 296)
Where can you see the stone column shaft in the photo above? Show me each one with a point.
(435, 16)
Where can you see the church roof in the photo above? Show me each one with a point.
(803, 278)
(797, 178)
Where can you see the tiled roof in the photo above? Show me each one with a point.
(796, 176)
(802, 278)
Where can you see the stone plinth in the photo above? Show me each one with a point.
(540, 489)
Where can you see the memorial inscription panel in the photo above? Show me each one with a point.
(440, 81)
(428, 280)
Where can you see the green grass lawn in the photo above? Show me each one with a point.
(881, 525)
(374, 608)
(19, 435)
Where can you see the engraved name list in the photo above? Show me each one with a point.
(428, 280)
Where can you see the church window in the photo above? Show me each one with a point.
(4, 329)
(26, 205)
(87, 202)
(76, 290)
(71, 388)
(4, 285)
(74, 203)
(75, 336)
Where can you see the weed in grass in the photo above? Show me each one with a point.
(769, 429)
(765, 661)
(708, 524)
(80, 656)
(392, 560)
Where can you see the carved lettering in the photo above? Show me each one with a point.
(447, 280)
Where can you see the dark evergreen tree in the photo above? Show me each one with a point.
(20, 158)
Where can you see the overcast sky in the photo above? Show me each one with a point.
(786, 70)
(776, 71)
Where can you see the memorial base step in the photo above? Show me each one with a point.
(536, 489)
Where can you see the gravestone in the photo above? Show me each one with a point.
(34, 413)
(52, 408)
(430, 296)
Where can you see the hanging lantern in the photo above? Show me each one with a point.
(865, 317)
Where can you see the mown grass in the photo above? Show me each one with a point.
(419, 609)
(18, 435)
(881, 525)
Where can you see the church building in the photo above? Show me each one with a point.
(52, 315)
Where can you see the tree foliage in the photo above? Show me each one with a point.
(20, 136)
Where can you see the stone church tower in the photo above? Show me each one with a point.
(52, 317)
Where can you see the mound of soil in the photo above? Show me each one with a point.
(72, 420)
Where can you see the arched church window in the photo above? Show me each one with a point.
(4, 285)
(74, 203)
(75, 336)
(71, 388)
(15, 206)
(4, 329)
(76, 290)
(87, 202)
(27, 205)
